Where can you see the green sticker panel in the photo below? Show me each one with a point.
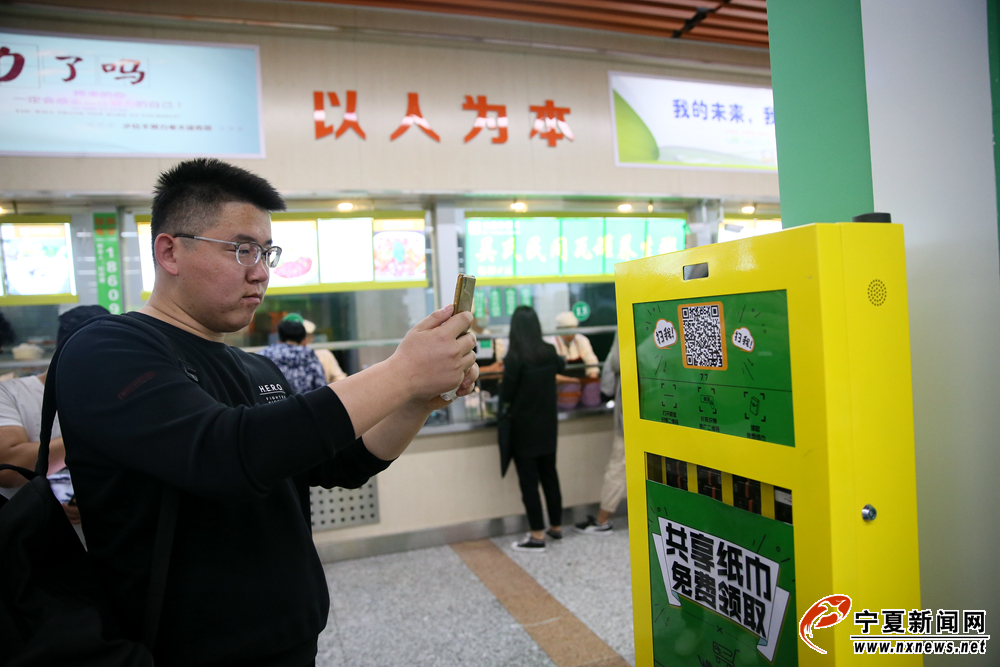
(722, 583)
(718, 364)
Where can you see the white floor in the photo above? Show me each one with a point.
(425, 608)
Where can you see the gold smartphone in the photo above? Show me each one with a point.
(465, 291)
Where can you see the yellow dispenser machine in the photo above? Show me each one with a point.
(769, 448)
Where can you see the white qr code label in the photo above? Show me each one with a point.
(703, 335)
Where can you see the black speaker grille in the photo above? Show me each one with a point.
(877, 292)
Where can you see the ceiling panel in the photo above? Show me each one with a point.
(737, 22)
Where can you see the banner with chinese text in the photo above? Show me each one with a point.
(69, 96)
(673, 123)
(526, 249)
(108, 263)
(722, 582)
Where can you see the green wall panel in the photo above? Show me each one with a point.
(821, 110)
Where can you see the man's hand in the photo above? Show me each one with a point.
(435, 357)
(468, 384)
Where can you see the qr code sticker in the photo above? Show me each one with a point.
(703, 332)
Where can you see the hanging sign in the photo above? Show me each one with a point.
(108, 263)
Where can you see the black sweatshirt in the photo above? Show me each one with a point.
(245, 584)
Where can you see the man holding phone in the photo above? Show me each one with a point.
(245, 585)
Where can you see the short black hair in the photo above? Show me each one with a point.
(189, 195)
(292, 330)
(6, 332)
(74, 318)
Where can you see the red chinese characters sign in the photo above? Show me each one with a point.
(549, 124)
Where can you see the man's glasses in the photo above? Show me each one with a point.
(248, 253)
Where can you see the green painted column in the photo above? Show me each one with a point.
(993, 34)
(820, 109)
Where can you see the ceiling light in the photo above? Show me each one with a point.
(345, 206)
(748, 209)
(624, 208)
(519, 206)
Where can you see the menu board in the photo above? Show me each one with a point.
(584, 246)
(624, 240)
(320, 254)
(345, 254)
(556, 247)
(299, 253)
(718, 364)
(399, 248)
(38, 259)
(537, 246)
(489, 248)
(664, 235)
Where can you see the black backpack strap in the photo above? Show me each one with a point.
(162, 548)
(170, 500)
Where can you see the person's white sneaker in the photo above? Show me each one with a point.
(591, 527)
(529, 544)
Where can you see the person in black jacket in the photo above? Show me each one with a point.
(245, 585)
(529, 388)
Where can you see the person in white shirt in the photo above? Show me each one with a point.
(575, 348)
(21, 422)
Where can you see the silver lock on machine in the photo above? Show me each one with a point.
(868, 513)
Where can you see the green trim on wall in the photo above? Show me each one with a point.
(37, 299)
(575, 215)
(821, 110)
(35, 218)
(993, 36)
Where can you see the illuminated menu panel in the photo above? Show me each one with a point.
(489, 248)
(329, 254)
(400, 249)
(555, 247)
(345, 250)
(584, 246)
(664, 235)
(299, 253)
(537, 246)
(38, 259)
(624, 240)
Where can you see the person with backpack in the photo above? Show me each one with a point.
(222, 432)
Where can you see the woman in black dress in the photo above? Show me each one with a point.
(529, 389)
